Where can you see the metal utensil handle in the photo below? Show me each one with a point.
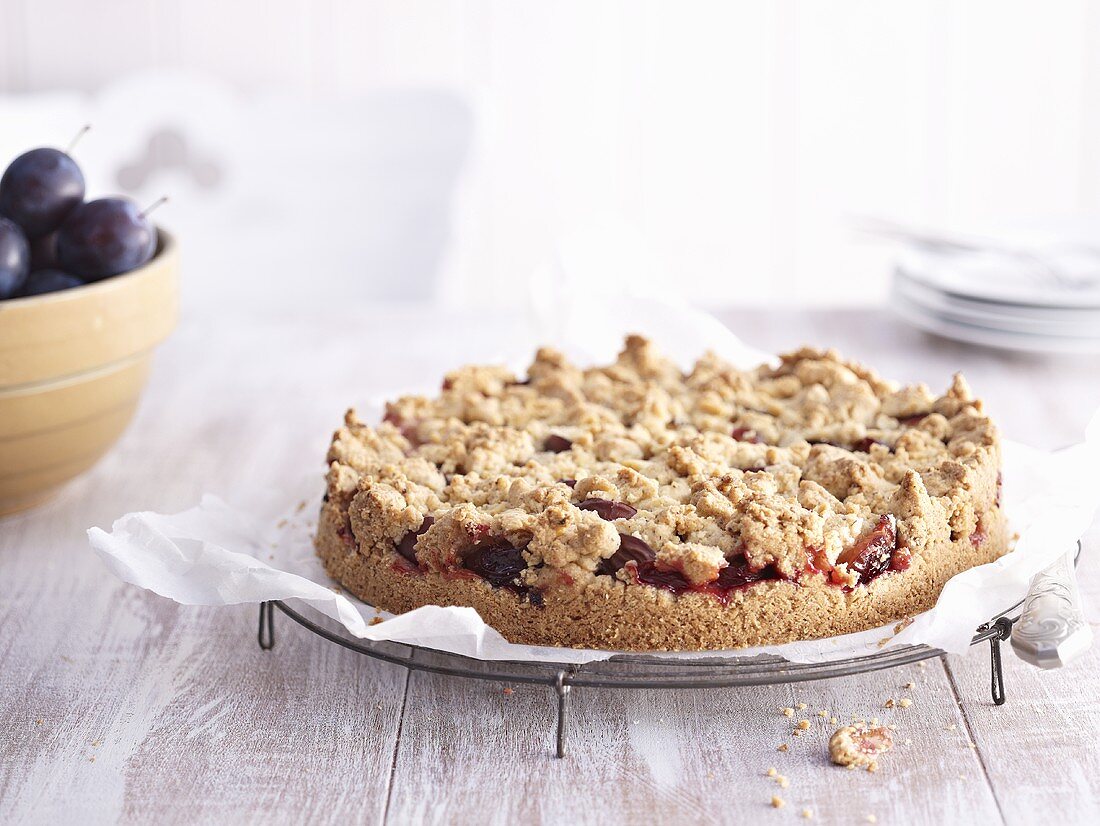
(1052, 630)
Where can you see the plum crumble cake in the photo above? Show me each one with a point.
(635, 507)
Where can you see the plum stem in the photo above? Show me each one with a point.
(161, 200)
(84, 130)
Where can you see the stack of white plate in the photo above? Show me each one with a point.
(1016, 300)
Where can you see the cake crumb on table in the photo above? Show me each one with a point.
(787, 712)
(905, 702)
(782, 747)
(859, 746)
(778, 802)
(804, 724)
(807, 814)
(801, 706)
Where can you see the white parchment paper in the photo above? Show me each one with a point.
(220, 553)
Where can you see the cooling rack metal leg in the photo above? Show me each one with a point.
(1004, 630)
(562, 687)
(266, 635)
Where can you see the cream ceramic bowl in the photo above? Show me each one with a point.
(72, 366)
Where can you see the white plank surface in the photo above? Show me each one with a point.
(187, 721)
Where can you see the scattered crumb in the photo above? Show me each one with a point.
(832, 721)
(908, 741)
(800, 706)
(95, 744)
(871, 819)
(710, 775)
(909, 685)
(38, 722)
(889, 703)
(787, 712)
(962, 776)
(797, 732)
(376, 621)
(778, 802)
(783, 782)
(859, 745)
(823, 713)
(301, 506)
(782, 747)
(807, 814)
(951, 727)
(282, 523)
(508, 692)
(905, 702)
(91, 759)
(772, 772)
(874, 721)
(804, 724)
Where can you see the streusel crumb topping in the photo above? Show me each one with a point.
(815, 468)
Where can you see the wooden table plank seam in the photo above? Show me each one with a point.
(396, 747)
(956, 693)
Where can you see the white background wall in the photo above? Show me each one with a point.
(456, 147)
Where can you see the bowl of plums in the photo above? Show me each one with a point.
(87, 291)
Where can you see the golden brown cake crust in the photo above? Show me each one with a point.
(634, 507)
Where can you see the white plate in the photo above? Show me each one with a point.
(932, 322)
(995, 278)
(1023, 320)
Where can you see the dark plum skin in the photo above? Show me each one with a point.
(49, 281)
(556, 444)
(40, 189)
(15, 259)
(105, 237)
(44, 253)
(606, 509)
(631, 549)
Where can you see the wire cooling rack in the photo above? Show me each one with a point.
(636, 670)
(640, 671)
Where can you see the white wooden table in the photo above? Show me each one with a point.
(117, 705)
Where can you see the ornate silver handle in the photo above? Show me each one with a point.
(1052, 629)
